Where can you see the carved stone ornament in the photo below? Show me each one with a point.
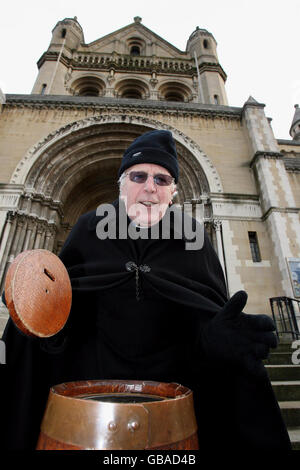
(217, 223)
(153, 82)
(23, 168)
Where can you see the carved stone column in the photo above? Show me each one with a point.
(50, 237)
(24, 230)
(217, 223)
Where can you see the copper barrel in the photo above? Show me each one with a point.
(119, 415)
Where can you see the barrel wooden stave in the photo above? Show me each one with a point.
(47, 443)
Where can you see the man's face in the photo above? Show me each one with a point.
(146, 203)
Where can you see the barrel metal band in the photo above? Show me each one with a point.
(94, 425)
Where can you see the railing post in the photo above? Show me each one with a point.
(286, 318)
(273, 316)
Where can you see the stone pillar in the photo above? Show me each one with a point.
(32, 225)
(39, 233)
(48, 241)
(2, 100)
(153, 89)
(6, 245)
(28, 234)
(278, 204)
(218, 230)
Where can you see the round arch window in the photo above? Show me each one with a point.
(88, 91)
(174, 96)
(135, 50)
(132, 93)
(131, 88)
(88, 86)
(175, 91)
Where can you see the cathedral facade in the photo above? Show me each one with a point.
(61, 147)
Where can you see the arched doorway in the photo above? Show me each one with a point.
(74, 170)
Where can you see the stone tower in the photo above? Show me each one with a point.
(295, 127)
(67, 36)
(203, 47)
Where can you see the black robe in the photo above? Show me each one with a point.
(143, 328)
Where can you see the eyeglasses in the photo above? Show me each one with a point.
(141, 177)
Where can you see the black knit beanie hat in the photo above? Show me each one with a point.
(153, 147)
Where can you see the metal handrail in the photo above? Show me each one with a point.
(285, 315)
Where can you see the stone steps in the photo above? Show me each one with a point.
(283, 347)
(278, 358)
(287, 390)
(294, 433)
(291, 412)
(283, 372)
(285, 380)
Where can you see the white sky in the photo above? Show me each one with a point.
(258, 41)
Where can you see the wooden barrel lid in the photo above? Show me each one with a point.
(38, 293)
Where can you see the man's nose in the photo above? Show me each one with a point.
(150, 185)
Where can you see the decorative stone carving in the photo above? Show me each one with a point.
(41, 147)
(38, 221)
(217, 224)
(68, 76)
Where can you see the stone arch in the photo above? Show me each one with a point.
(74, 169)
(129, 87)
(136, 42)
(201, 163)
(88, 85)
(175, 90)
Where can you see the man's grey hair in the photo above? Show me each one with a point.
(121, 180)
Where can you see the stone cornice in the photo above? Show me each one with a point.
(239, 197)
(292, 164)
(265, 154)
(7, 187)
(212, 67)
(23, 216)
(251, 103)
(288, 142)
(53, 56)
(123, 104)
(93, 61)
(281, 210)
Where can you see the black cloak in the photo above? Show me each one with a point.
(138, 307)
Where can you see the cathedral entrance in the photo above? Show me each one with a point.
(74, 170)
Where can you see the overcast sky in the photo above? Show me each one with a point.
(258, 41)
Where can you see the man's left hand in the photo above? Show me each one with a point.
(239, 339)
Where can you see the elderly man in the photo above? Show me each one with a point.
(147, 308)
